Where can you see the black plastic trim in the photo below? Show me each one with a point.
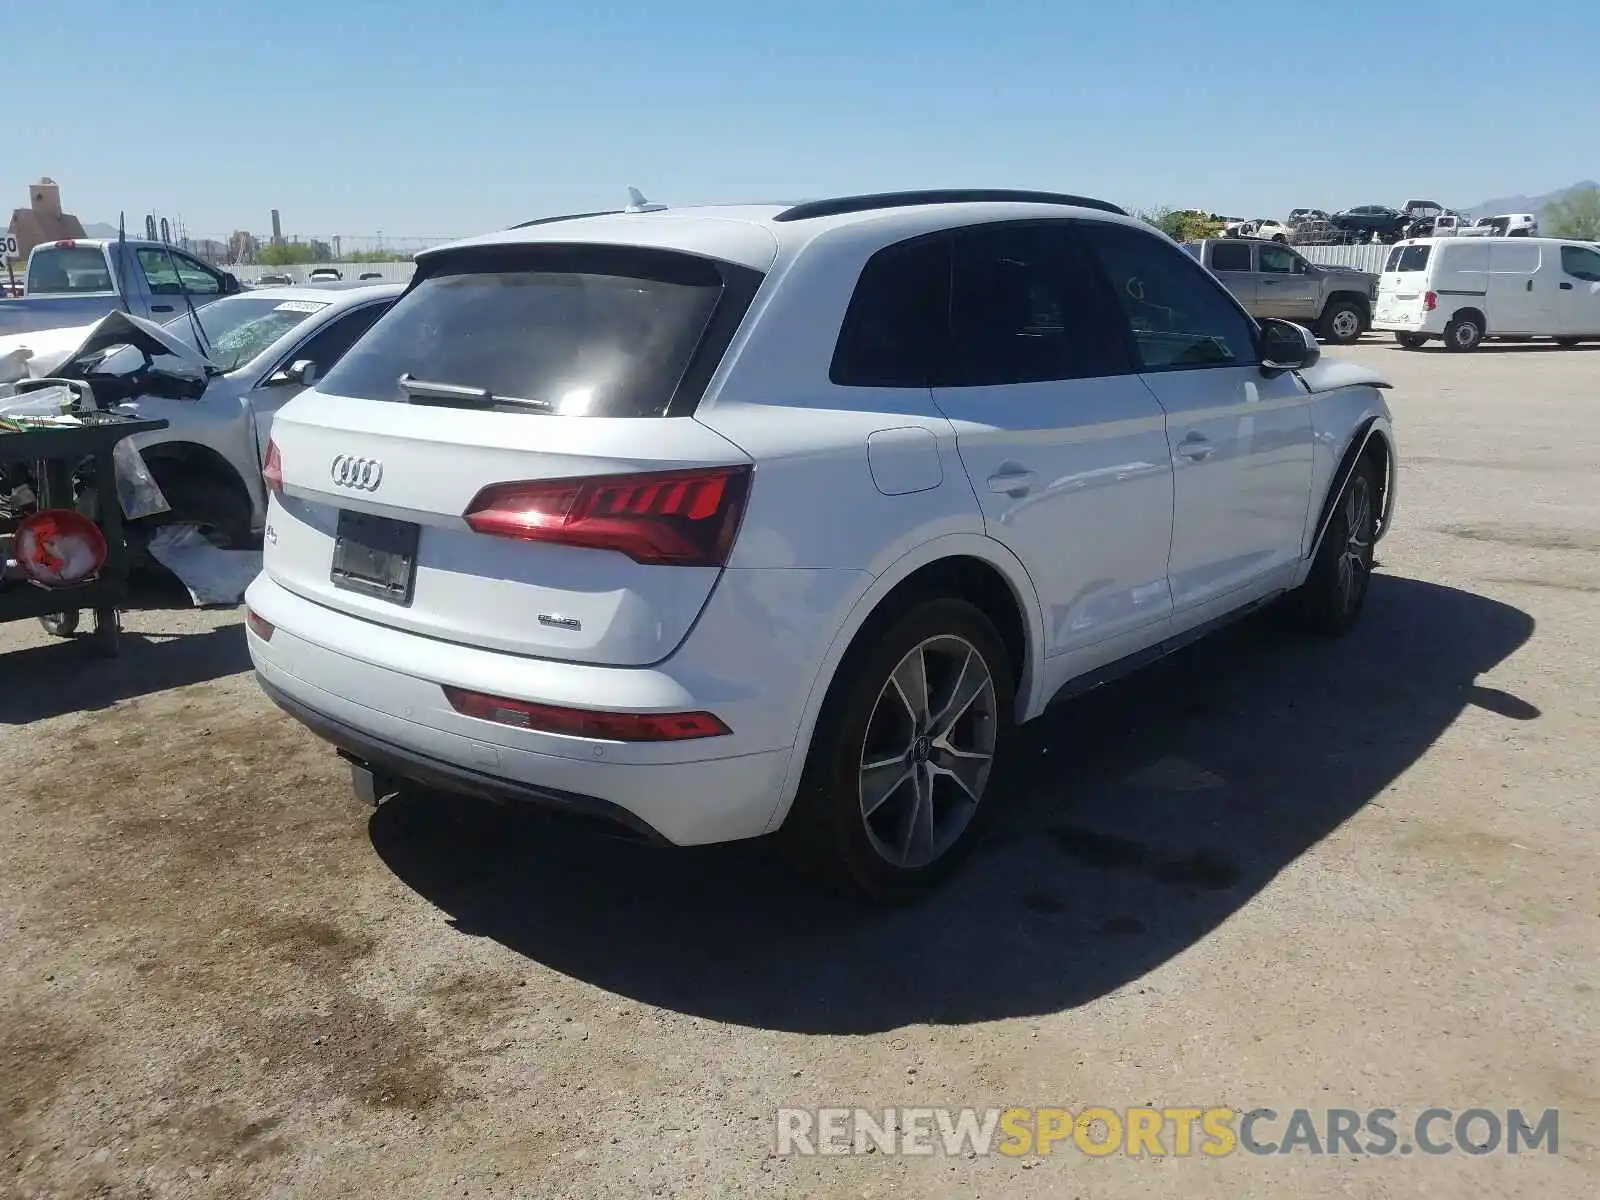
(610, 212)
(386, 759)
(1341, 479)
(852, 204)
(739, 287)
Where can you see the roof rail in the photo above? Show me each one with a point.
(850, 204)
(610, 212)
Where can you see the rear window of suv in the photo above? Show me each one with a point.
(1408, 258)
(599, 331)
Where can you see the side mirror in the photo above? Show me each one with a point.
(300, 373)
(230, 284)
(1286, 346)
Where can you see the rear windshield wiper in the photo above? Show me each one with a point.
(455, 395)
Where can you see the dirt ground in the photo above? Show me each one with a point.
(1267, 873)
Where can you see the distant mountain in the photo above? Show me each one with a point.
(100, 231)
(1527, 204)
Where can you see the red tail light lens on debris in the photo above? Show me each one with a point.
(584, 722)
(676, 518)
(259, 625)
(1430, 301)
(272, 471)
(59, 547)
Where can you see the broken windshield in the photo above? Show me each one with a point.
(237, 328)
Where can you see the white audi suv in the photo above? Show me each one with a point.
(723, 521)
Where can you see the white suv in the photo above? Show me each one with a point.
(722, 521)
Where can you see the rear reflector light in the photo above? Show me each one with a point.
(584, 722)
(679, 518)
(1430, 301)
(259, 625)
(272, 471)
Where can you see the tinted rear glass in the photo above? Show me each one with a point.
(57, 271)
(595, 331)
(1408, 258)
(891, 329)
(1230, 256)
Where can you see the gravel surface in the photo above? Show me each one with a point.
(1266, 873)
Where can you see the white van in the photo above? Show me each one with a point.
(1466, 289)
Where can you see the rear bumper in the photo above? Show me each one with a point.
(402, 765)
(378, 693)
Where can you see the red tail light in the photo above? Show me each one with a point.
(679, 518)
(584, 722)
(272, 472)
(67, 244)
(59, 547)
(1430, 301)
(259, 625)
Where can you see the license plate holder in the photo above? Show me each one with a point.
(375, 556)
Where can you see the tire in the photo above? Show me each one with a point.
(1464, 334)
(1280, 239)
(1330, 601)
(1342, 322)
(893, 850)
(61, 624)
(1411, 341)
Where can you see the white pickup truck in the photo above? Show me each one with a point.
(78, 281)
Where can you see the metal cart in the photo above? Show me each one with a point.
(57, 453)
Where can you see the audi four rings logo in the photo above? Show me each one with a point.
(362, 473)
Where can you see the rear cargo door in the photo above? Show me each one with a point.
(507, 459)
(1403, 283)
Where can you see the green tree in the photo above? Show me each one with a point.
(1578, 216)
(285, 254)
(375, 256)
(1183, 224)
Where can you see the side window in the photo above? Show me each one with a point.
(890, 330)
(1179, 317)
(1280, 260)
(1581, 263)
(327, 346)
(1025, 308)
(1230, 256)
(198, 278)
(172, 274)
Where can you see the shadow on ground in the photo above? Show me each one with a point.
(1135, 820)
(1507, 348)
(62, 676)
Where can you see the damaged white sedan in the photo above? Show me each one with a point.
(216, 375)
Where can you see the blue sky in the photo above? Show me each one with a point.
(457, 117)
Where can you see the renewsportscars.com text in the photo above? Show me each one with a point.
(1164, 1132)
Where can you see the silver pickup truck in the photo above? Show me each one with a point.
(1271, 280)
(79, 281)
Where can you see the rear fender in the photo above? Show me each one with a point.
(1030, 699)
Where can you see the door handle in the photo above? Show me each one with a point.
(1196, 447)
(161, 308)
(1530, 285)
(1011, 483)
(1566, 287)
